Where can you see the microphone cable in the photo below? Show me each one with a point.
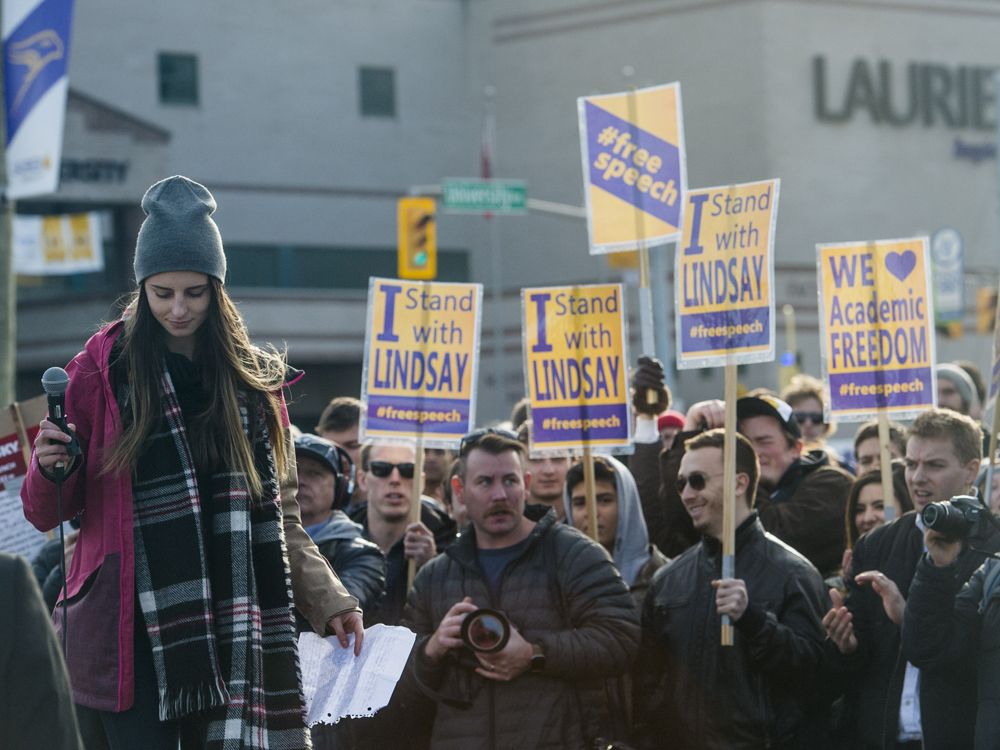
(59, 472)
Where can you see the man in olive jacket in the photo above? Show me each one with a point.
(573, 623)
(36, 709)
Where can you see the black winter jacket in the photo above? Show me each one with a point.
(953, 626)
(874, 674)
(693, 693)
(562, 593)
(806, 509)
(36, 707)
(389, 610)
(358, 563)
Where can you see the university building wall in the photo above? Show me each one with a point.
(307, 186)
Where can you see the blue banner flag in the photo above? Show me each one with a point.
(36, 58)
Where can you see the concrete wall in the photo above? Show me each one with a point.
(279, 137)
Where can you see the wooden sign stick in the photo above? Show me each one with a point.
(885, 462)
(591, 490)
(729, 494)
(418, 491)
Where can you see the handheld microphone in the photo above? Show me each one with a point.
(55, 380)
(54, 383)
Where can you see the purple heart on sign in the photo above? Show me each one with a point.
(901, 264)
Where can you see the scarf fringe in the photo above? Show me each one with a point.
(175, 704)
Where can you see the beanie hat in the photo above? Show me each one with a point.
(962, 382)
(670, 418)
(178, 233)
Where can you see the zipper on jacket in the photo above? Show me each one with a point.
(493, 605)
(765, 705)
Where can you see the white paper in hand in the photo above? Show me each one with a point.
(338, 684)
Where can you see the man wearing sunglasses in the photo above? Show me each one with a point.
(755, 693)
(573, 624)
(386, 478)
(801, 499)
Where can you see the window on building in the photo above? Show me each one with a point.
(378, 92)
(325, 268)
(178, 78)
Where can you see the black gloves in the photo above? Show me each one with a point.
(648, 377)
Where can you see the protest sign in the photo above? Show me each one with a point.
(724, 276)
(876, 325)
(421, 361)
(576, 367)
(991, 402)
(18, 427)
(995, 369)
(634, 172)
(58, 245)
(724, 303)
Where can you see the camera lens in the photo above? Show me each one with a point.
(486, 631)
(950, 519)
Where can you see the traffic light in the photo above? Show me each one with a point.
(417, 231)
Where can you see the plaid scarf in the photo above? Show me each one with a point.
(214, 587)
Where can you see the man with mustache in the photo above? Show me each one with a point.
(573, 623)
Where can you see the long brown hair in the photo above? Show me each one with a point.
(899, 490)
(229, 363)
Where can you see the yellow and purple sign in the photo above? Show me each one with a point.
(575, 366)
(421, 361)
(723, 272)
(877, 328)
(634, 172)
(995, 370)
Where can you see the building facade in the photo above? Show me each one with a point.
(309, 120)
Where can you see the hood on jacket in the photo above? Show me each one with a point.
(631, 550)
(338, 526)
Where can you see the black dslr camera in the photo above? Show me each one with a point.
(957, 518)
(486, 631)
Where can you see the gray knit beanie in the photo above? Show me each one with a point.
(178, 233)
(961, 380)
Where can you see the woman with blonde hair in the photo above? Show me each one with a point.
(179, 595)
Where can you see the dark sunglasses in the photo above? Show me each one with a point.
(816, 417)
(382, 469)
(696, 479)
(472, 439)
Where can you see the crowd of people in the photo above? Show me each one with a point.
(211, 531)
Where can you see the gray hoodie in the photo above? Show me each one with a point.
(631, 551)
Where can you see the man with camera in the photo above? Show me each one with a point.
(893, 702)
(532, 672)
(756, 694)
(953, 625)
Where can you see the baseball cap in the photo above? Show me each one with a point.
(768, 406)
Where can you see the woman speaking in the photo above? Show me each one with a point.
(179, 595)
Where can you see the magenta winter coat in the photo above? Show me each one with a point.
(101, 577)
